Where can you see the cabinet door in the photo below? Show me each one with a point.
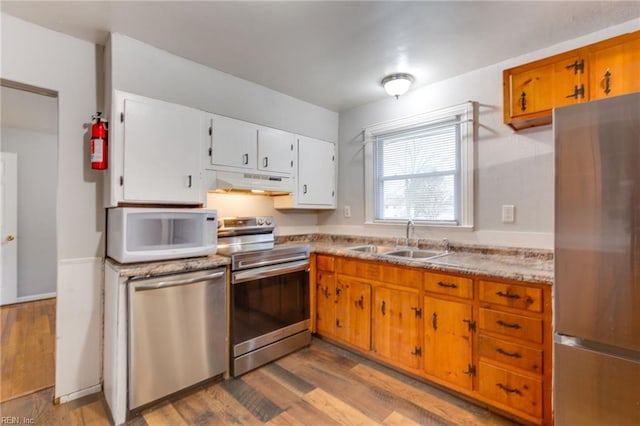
(275, 150)
(316, 172)
(545, 86)
(448, 341)
(614, 69)
(353, 313)
(161, 152)
(233, 143)
(325, 303)
(395, 334)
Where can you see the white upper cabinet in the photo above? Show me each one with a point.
(316, 177)
(276, 150)
(155, 157)
(233, 144)
(236, 145)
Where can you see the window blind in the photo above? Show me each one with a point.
(417, 173)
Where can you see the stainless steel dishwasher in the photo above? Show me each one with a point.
(177, 332)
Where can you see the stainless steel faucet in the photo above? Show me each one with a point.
(446, 245)
(410, 228)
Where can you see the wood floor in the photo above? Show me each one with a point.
(318, 385)
(27, 347)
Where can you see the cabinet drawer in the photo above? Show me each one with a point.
(511, 325)
(514, 390)
(325, 263)
(511, 353)
(514, 296)
(365, 270)
(448, 284)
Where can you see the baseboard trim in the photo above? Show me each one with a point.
(78, 394)
(31, 298)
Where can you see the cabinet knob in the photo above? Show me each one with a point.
(10, 237)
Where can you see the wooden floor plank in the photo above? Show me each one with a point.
(337, 409)
(26, 348)
(256, 403)
(280, 395)
(164, 414)
(228, 408)
(397, 419)
(318, 385)
(303, 413)
(462, 414)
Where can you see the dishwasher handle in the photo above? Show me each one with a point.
(174, 283)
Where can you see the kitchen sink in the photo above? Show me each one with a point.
(370, 248)
(416, 254)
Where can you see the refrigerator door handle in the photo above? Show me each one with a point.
(616, 351)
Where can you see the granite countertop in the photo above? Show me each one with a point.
(168, 266)
(527, 265)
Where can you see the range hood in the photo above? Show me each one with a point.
(238, 181)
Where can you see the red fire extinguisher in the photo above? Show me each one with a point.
(98, 142)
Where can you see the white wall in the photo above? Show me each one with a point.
(512, 168)
(37, 171)
(39, 57)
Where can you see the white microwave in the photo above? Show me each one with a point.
(145, 234)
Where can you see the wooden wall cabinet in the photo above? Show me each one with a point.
(615, 67)
(603, 69)
(486, 339)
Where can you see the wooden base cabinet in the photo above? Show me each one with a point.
(397, 317)
(448, 327)
(353, 312)
(343, 306)
(485, 339)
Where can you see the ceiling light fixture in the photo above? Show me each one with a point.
(397, 84)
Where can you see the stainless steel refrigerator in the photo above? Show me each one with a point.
(597, 263)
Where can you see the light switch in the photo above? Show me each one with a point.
(508, 213)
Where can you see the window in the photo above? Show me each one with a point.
(421, 168)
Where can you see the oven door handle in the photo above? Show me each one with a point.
(251, 264)
(269, 271)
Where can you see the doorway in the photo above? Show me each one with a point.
(28, 236)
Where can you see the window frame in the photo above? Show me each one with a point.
(465, 116)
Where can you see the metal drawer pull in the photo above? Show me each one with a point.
(447, 285)
(434, 320)
(508, 295)
(509, 390)
(508, 325)
(511, 354)
(607, 82)
(383, 308)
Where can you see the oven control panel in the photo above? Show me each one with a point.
(245, 225)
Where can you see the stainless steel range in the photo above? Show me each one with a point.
(269, 292)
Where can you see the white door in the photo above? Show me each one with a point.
(161, 152)
(9, 227)
(316, 172)
(275, 150)
(233, 143)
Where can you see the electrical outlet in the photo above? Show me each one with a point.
(347, 211)
(508, 213)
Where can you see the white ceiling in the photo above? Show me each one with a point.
(333, 53)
